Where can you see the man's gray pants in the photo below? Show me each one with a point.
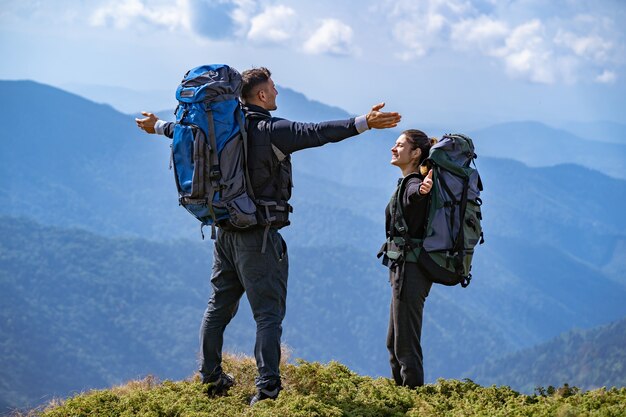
(238, 267)
(410, 287)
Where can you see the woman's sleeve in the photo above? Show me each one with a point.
(412, 191)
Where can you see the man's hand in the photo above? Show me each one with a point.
(377, 119)
(147, 124)
(427, 184)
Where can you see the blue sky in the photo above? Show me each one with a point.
(436, 61)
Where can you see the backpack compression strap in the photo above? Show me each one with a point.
(458, 245)
(215, 174)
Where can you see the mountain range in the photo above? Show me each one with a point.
(588, 359)
(79, 179)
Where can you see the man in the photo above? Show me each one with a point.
(255, 260)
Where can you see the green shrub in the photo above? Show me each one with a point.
(333, 390)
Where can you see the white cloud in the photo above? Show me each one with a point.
(332, 37)
(122, 14)
(276, 24)
(526, 54)
(242, 15)
(419, 26)
(607, 77)
(591, 47)
(539, 45)
(483, 33)
(418, 37)
(214, 19)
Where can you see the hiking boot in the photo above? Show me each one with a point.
(220, 385)
(266, 393)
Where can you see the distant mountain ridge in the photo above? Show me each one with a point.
(601, 131)
(163, 101)
(537, 145)
(588, 359)
(125, 100)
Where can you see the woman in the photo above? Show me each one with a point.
(408, 279)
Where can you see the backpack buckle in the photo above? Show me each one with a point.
(215, 173)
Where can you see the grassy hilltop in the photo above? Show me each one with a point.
(313, 389)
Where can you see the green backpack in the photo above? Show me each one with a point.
(453, 226)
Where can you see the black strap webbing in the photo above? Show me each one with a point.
(214, 173)
(399, 223)
(458, 244)
(244, 138)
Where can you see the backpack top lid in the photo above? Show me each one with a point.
(454, 153)
(217, 82)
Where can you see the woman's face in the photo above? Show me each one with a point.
(402, 155)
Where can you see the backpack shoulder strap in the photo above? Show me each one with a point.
(396, 206)
(399, 246)
(243, 127)
(409, 247)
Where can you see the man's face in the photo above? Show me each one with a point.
(269, 93)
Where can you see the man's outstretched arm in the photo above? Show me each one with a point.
(151, 124)
(377, 119)
(290, 136)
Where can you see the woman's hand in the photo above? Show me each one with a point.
(427, 184)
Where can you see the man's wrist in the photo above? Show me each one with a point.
(159, 127)
(361, 123)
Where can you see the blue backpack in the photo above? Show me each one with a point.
(209, 148)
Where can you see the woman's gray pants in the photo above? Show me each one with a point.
(238, 267)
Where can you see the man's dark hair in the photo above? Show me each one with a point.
(252, 78)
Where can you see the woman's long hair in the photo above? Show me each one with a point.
(418, 139)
